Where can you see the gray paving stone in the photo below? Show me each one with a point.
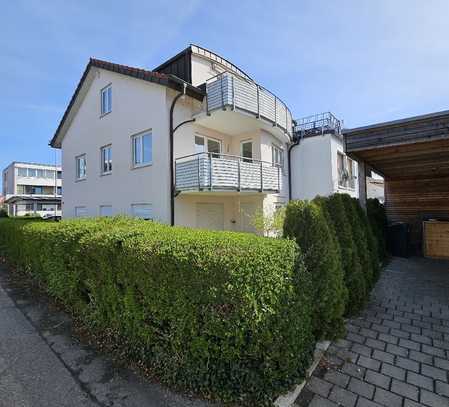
(433, 334)
(353, 370)
(420, 380)
(421, 339)
(338, 378)
(343, 397)
(380, 328)
(392, 324)
(434, 372)
(407, 364)
(355, 338)
(442, 388)
(375, 344)
(383, 356)
(378, 379)
(411, 329)
(421, 357)
(441, 344)
(393, 371)
(318, 386)
(410, 403)
(363, 402)
(361, 349)
(441, 363)
(400, 334)
(387, 398)
(389, 338)
(369, 363)
(318, 401)
(404, 389)
(433, 400)
(361, 388)
(406, 343)
(397, 350)
(368, 333)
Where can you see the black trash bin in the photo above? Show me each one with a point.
(398, 239)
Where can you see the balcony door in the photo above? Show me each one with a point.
(246, 150)
(207, 145)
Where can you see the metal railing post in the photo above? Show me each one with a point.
(210, 171)
(233, 93)
(261, 176)
(258, 101)
(279, 179)
(207, 100)
(222, 94)
(238, 175)
(275, 112)
(199, 174)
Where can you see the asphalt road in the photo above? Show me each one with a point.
(43, 364)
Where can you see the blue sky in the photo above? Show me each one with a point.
(364, 60)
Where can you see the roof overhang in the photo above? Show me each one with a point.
(411, 148)
(169, 81)
(16, 198)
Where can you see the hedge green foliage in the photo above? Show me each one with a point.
(3, 213)
(354, 278)
(306, 223)
(222, 314)
(359, 235)
(378, 220)
(371, 240)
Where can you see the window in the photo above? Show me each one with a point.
(59, 175)
(22, 172)
(207, 145)
(143, 211)
(106, 100)
(81, 166)
(142, 146)
(29, 207)
(277, 156)
(31, 172)
(40, 173)
(80, 211)
(105, 210)
(58, 206)
(345, 169)
(247, 150)
(37, 190)
(58, 190)
(106, 159)
(50, 174)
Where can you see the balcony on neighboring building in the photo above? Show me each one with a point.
(222, 172)
(253, 107)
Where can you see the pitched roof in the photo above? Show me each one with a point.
(168, 80)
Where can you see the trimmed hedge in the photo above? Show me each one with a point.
(306, 223)
(354, 277)
(222, 314)
(378, 220)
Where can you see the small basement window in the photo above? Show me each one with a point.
(142, 211)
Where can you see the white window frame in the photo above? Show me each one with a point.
(136, 206)
(106, 100)
(106, 159)
(280, 164)
(247, 159)
(78, 176)
(349, 181)
(133, 159)
(102, 208)
(205, 140)
(84, 209)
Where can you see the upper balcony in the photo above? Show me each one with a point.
(224, 173)
(253, 107)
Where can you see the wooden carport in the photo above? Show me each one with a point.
(413, 156)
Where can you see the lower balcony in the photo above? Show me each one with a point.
(222, 172)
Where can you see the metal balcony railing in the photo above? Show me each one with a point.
(322, 123)
(228, 90)
(222, 172)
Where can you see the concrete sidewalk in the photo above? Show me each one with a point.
(396, 354)
(42, 365)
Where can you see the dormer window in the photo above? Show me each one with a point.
(106, 100)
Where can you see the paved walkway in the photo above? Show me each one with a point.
(43, 365)
(396, 354)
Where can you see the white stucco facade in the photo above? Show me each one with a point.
(315, 168)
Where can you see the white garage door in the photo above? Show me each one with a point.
(247, 213)
(210, 216)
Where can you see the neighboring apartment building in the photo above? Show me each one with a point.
(32, 189)
(196, 142)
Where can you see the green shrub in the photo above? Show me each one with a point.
(359, 235)
(373, 248)
(3, 213)
(222, 314)
(378, 220)
(306, 223)
(354, 278)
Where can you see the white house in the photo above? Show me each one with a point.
(195, 142)
(32, 189)
(319, 165)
